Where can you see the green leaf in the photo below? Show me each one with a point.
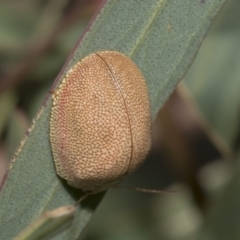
(214, 76)
(48, 224)
(223, 218)
(162, 37)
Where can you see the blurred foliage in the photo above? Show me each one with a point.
(194, 134)
(213, 78)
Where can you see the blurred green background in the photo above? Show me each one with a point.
(196, 135)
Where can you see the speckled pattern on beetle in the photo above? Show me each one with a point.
(100, 125)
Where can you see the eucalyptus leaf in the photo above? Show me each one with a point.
(162, 37)
(222, 221)
(48, 224)
(213, 78)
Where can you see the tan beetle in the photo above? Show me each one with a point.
(100, 126)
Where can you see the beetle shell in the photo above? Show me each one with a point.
(100, 126)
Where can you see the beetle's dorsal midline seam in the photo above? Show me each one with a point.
(125, 104)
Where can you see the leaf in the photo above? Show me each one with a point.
(162, 37)
(48, 224)
(214, 76)
(223, 218)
